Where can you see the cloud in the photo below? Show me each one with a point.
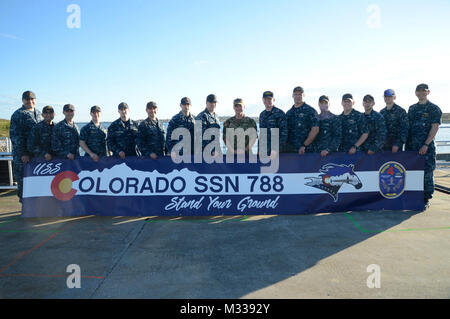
(9, 36)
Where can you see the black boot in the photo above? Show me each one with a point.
(427, 203)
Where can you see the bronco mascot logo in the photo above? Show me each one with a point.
(332, 177)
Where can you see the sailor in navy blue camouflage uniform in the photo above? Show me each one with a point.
(40, 139)
(22, 121)
(376, 125)
(424, 120)
(397, 125)
(151, 139)
(210, 120)
(122, 133)
(303, 124)
(272, 118)
(184, 119)
(330, 131)
(93, 136)
(354, 126)
(66, 136)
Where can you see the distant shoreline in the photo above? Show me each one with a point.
(4, 123)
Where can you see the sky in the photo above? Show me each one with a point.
(136, 51)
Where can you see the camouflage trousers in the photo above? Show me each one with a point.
(18, 167)
(428, 179)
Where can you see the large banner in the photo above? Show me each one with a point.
(145, 187)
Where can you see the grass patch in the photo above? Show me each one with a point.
(4, 128)
(446, 117)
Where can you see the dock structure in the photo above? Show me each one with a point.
(302, 256)
(6, 165)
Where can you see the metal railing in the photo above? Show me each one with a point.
(443, 156)
(6, 155)
(442, 143)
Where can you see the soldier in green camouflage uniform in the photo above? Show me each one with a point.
(40, 139)
(273, 118)
(330, 131)
(303, 125)
(151, 140)
(424, 120)
(209, 120)
(93, 136)
(376, 125)
(397, 124)
(22, 121)
(354, 126)
(184, 119)
(122, 133)
(239, 121)
(66, 136)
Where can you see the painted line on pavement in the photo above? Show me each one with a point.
(195, 220)
(15, 259)
(49, 276)
(352, 219)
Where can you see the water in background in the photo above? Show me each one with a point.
(443, 135)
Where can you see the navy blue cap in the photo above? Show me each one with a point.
(368, 97)
(298, 89)
(422, 86)
(28, 95)
(68, 107)
(123, 105)
(389, 92)
(267, 94)
(324, 98)
(95, 108)
(211, 98)
(185, 101)
(347, 96)
(151, 105)
(48, 109)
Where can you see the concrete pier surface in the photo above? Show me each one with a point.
(304, 256)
